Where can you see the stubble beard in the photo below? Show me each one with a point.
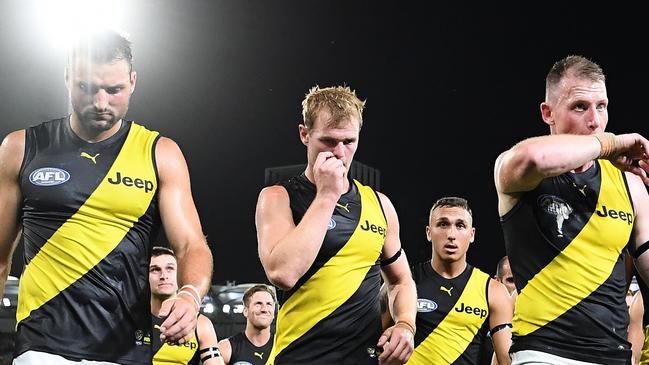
(89, 120)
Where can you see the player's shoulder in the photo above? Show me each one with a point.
(167, 143)
(273, 193)
(497, 291)
(14, 139)
(12, 149)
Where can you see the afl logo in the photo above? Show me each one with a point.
(49, 176)
(331, 225)
(426, 305)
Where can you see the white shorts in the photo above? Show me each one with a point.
(38, 357)
(531, 357)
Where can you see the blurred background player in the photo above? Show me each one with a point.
(253, 345)
(203, 346)
(457, 303)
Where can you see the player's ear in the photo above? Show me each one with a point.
(304, 134)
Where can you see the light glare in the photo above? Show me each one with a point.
(65, 20)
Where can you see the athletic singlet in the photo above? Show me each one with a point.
(245, 352)
(165, 354)
(89, 213)
(331, 315)
(564, 240)
(452, 316)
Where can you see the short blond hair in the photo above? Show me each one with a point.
(575, 65)
(341, 101)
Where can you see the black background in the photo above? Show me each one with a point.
(447, 88)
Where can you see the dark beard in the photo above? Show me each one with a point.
(90, 121)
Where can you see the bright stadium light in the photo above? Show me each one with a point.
(65, 20)
(238, 308)
(209, 308)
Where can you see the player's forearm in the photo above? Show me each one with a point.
(502, 342)
(642, 266)
(555, 154)
(4, 273)
(195, 268)
(7, 244)
(404, 302)
(531, 160)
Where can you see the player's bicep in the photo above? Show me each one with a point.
(392, 243)
(273, 219)
(208, 343)
(226, 350)
(206, 333)
(640, 199)
(177, 209)
(501, 308)
(11, 156)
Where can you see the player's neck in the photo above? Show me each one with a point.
(156, 303)
(448, 269)
(258, 337)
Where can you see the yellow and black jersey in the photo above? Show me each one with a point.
(245, 352)
(166, 354)
(452, 316)
(332, 314)
(89, 213)
(564, 240)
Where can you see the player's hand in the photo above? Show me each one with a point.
(329, 174)
(644, 166)
(180, 320)
(398, 344)
(630, 148)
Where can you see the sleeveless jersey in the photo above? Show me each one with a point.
(564, 240)
(331, 315)
(245, 352)
(165, 354)
(89, 213)
(452, 316)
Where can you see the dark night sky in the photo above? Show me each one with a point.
(447, 89)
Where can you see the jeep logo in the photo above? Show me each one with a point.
(471, 310)
(191, 345)
(616, 214)
(147, 185)
(373, 228)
